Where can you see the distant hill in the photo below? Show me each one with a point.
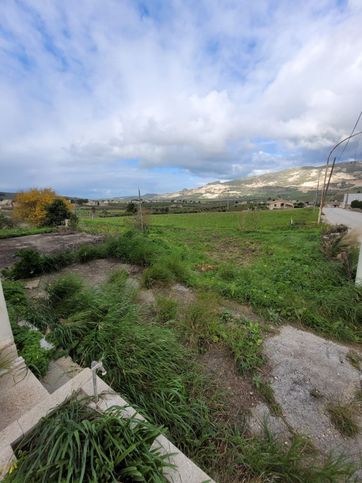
(290, 183)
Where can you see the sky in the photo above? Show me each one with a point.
(100, 97)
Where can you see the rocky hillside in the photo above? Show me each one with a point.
(289, 183)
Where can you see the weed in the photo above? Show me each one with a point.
(354, 359)
(267, 459)
(79, 444)
(166, 309)
(266, 392)
(28, 344)
(342, 417)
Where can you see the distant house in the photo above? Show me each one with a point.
(349, 197)
(280, 204)
(6, 203)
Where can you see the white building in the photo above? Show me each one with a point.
(349, 197)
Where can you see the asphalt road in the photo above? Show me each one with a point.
(338, 216)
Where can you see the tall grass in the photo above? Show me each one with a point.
(78, 444)
(149, 365)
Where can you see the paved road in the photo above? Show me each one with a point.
(336, 216)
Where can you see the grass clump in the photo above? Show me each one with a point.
(166, 309)
(79, 444)
(28, 344)
(342, 417)
(268, 459)
(354, 359)
(165, 270)
(266, 392)
(144, 362)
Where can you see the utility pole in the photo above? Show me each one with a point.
(140, 209)
(325, 187)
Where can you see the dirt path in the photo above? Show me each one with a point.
(44, 243)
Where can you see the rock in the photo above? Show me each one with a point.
(31, 284)
(307, 375)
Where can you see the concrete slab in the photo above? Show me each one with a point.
(59, 372)
(303, 365)
(45, 243)
(19, 391)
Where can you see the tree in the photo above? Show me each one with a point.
(56, 212)
(30, 206)
(131, 208)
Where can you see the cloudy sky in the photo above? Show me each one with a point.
(98, 97)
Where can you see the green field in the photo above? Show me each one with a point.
(262, 259)
(14, 232)
(274, 264)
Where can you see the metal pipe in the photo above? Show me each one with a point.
(96, 366)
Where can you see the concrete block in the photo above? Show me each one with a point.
(185, 470)
(10, 435)
(31, 418)
(72, 386)
(7, 459)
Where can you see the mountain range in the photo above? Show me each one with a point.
(289, 183)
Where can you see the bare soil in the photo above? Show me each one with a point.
(45, 243)
(240, 395)
(93, 273)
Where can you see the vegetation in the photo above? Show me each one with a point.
(56, 212)
(342, 417)
(261, 259)
(78, 444)
(356, 204)
(28, 344)
(32, 206)
(151, 366)
(281, 269)
(17, 231)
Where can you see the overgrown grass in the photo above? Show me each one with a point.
(343, 418)
(267, 458)
(79, 444)
(261, 259)
(28, 345)
(151, 367)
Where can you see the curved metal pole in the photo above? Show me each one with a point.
(324, 191)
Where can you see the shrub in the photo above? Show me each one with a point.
(5, 221)
(356, 204)
(29, 264)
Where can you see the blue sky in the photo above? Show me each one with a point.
(98, 98)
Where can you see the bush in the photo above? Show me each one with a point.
(29, 264)
(356, 204)
(6, 222)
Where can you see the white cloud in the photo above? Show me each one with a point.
(202, 88)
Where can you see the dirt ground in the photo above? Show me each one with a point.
(93, 273)
(44, 243)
